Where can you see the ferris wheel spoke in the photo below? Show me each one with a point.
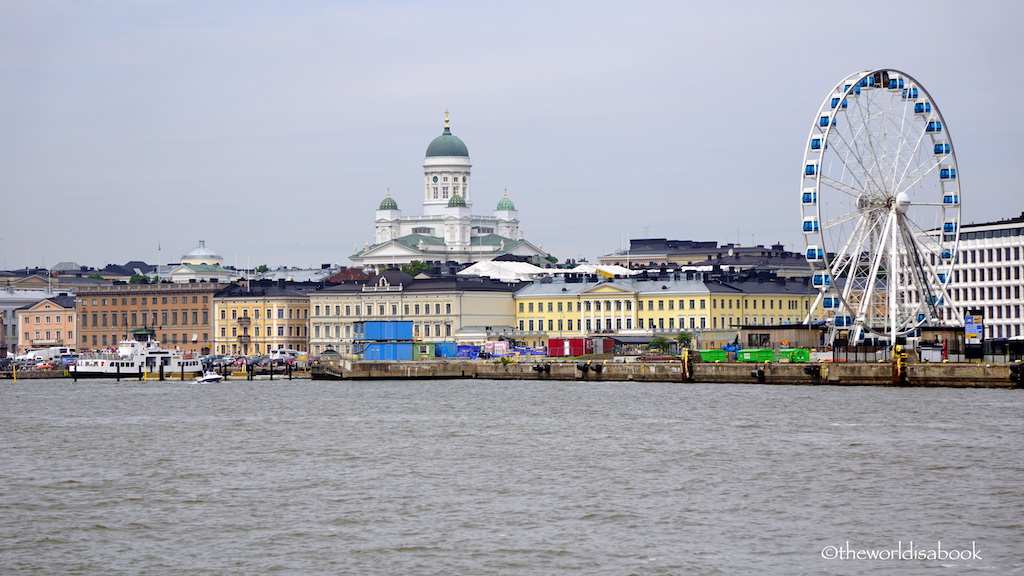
(841, 186)
(869, 156)
(911, 180)
(853, 158)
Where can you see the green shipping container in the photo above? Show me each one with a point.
(712, 355)
(794, 355)
(756, 355)
(422, 350)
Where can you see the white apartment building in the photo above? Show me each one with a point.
(988, 276)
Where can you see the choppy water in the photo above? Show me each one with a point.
(486, 477)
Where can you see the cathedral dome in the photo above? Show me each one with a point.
(457, 201)
(447, 144)
(505, 204)
(388, 203)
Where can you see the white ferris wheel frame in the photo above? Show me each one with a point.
(878, 148)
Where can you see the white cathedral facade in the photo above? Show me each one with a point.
(447, 231)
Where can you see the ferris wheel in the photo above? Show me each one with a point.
(880, 202)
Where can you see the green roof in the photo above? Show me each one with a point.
(447, 144)
(457, 201)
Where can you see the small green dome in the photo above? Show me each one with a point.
(505, 204)
(388, 203)
(447, 144)
(457, 201)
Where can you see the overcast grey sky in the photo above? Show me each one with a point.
(272, 130)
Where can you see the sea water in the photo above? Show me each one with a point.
(504, 477)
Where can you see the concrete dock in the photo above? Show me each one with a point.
(829, 373)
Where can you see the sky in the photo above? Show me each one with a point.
(131, 130)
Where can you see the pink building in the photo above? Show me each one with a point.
(47, 323)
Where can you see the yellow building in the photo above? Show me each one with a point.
(255, 318)
(632, 309)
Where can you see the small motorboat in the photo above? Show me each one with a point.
(209, 377)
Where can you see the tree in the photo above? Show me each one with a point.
(138, 279)
(262, 269)
(96, 276)
(684, 339)
(415, 267)
(659, 344)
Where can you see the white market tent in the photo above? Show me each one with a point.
(603, 270)
(505, 271)
(524, 271)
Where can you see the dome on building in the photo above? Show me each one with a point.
(505, 204)
(447, 144)
(457, 201)
(202, 255)
(388, 203)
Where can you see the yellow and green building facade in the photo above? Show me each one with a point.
(712, 309)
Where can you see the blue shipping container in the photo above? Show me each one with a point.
(446, 349)
(381, 331)
(388, 351)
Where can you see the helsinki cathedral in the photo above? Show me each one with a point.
(448, 231)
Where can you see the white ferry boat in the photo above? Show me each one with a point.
(136, 355)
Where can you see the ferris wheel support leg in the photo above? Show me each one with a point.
(814, 306)
(893, 282)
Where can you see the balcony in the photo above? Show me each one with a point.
(244, 339)
(244, 321)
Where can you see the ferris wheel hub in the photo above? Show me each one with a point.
(902, 202)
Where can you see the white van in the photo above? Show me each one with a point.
(283, 354)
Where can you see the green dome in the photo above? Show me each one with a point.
(505, 204)
(447, 145)
(457, 201)
(388, 203)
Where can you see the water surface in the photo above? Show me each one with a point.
(497, 477)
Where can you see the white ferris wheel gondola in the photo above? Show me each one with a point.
(880, 207)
